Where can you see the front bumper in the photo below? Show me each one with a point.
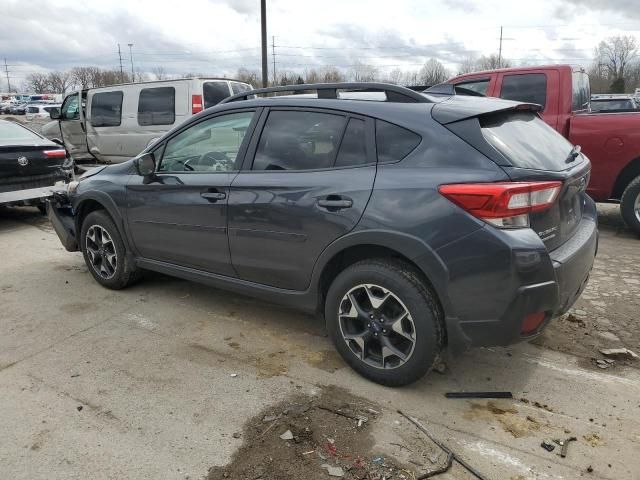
(61, 217)
(553, 283)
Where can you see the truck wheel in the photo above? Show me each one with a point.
(630, 205)
(104, 252)
(385, 321)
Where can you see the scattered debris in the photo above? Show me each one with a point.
(548, 446)
(593, 439)
(287, 435)
(236, 435)
(565, 446)
(79, 408)
(604, 364)
(233, 375)
(619, 352)
(590, 469)
(478, 395)
(451, 456)
(333, 471)
(75, 375)
(270, 418)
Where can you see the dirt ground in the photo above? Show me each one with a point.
(171, 379)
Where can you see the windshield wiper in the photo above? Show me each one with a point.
(573, 154)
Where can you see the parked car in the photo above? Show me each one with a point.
(613, 103)
(29, 166)
(611, 141)
(413, 224)
(18, 109)
(41, 111)
(116, 123)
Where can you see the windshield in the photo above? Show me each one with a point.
(527, 141)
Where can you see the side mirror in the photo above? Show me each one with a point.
(145, 164)
(54, 114)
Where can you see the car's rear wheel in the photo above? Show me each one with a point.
(104, 252)
(630, 205)
(385, 321)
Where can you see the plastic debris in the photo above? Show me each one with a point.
(287, 435)
(233, 375)
(333, 471)
(621, 352)
(548, 446)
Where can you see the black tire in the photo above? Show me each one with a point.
(42, 207)
(124, 274)
(629, 202)
(407, 286)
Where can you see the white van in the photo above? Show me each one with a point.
(117, 122)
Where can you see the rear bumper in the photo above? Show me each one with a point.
(61, 217)
(559, 277)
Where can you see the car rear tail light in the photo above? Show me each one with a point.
(532, 322)
(503, 204)
(196, 104)
(55, 154)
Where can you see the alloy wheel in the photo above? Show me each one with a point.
(377, 326)
(636, 207)
(101, 251)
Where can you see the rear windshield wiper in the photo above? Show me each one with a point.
(573, 154)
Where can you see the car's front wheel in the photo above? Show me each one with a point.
(630, 205)
(385, 321)
(104, 251)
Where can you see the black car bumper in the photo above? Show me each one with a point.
(61, 217)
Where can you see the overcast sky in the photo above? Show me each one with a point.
(218, 36)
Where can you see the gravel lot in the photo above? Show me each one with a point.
(169, 379)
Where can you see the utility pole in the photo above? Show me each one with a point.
(6, 70)
(273, 51)
(121, 71)
(500, 50)
(263, 21)
(133, 78)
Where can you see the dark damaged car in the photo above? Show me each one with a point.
(30, 166)
(413, 222)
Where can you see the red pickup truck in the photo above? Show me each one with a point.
(610, 140)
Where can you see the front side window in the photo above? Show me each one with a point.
(529, 88)
(70, 109)
(393, 143)
(157, 106)
(214, 93)
(477, 86)
(294, 140)
(106, 109)
(208, 146)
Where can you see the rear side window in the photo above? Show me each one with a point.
(214, 93)
(157, 106)
(298, 141)
(529, 87)
(527, 141)
(393, 143)
(581, 91)
(478, 86)
(106, 109)
(32, 109)
(353, 149)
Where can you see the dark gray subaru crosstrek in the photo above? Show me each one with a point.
(413, 222)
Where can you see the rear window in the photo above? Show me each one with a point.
(106, 109)
(393, 143)
(156, 106)
(14, 134)
(529, 87)
(214, 93)
(527, 141)
(32, 109)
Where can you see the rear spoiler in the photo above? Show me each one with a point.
(461, 107)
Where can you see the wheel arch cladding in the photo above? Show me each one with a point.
(99, 201)
(369, 245)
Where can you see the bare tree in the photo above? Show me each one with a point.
(60, 82)
(433, 72)
(331, 74)
(159, 73)
(251, 77)
(84, 77)
(395, 76)
(363, 73)
(311, 76)
(615, 54)
(468, 64)
(491, 62)
(38, 82)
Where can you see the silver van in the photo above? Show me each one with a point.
(113, 124)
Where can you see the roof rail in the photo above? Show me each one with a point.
(394, 93)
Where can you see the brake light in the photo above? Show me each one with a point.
(532, 322)
(503, 204)
(196, 104)
(55, 154)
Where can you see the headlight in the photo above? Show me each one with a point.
(72, 187)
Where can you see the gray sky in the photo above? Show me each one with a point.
(219, 36)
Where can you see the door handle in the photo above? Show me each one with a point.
(335, 202)
(214, 196)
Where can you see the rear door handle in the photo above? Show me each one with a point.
(335, 202)
(214, 196)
